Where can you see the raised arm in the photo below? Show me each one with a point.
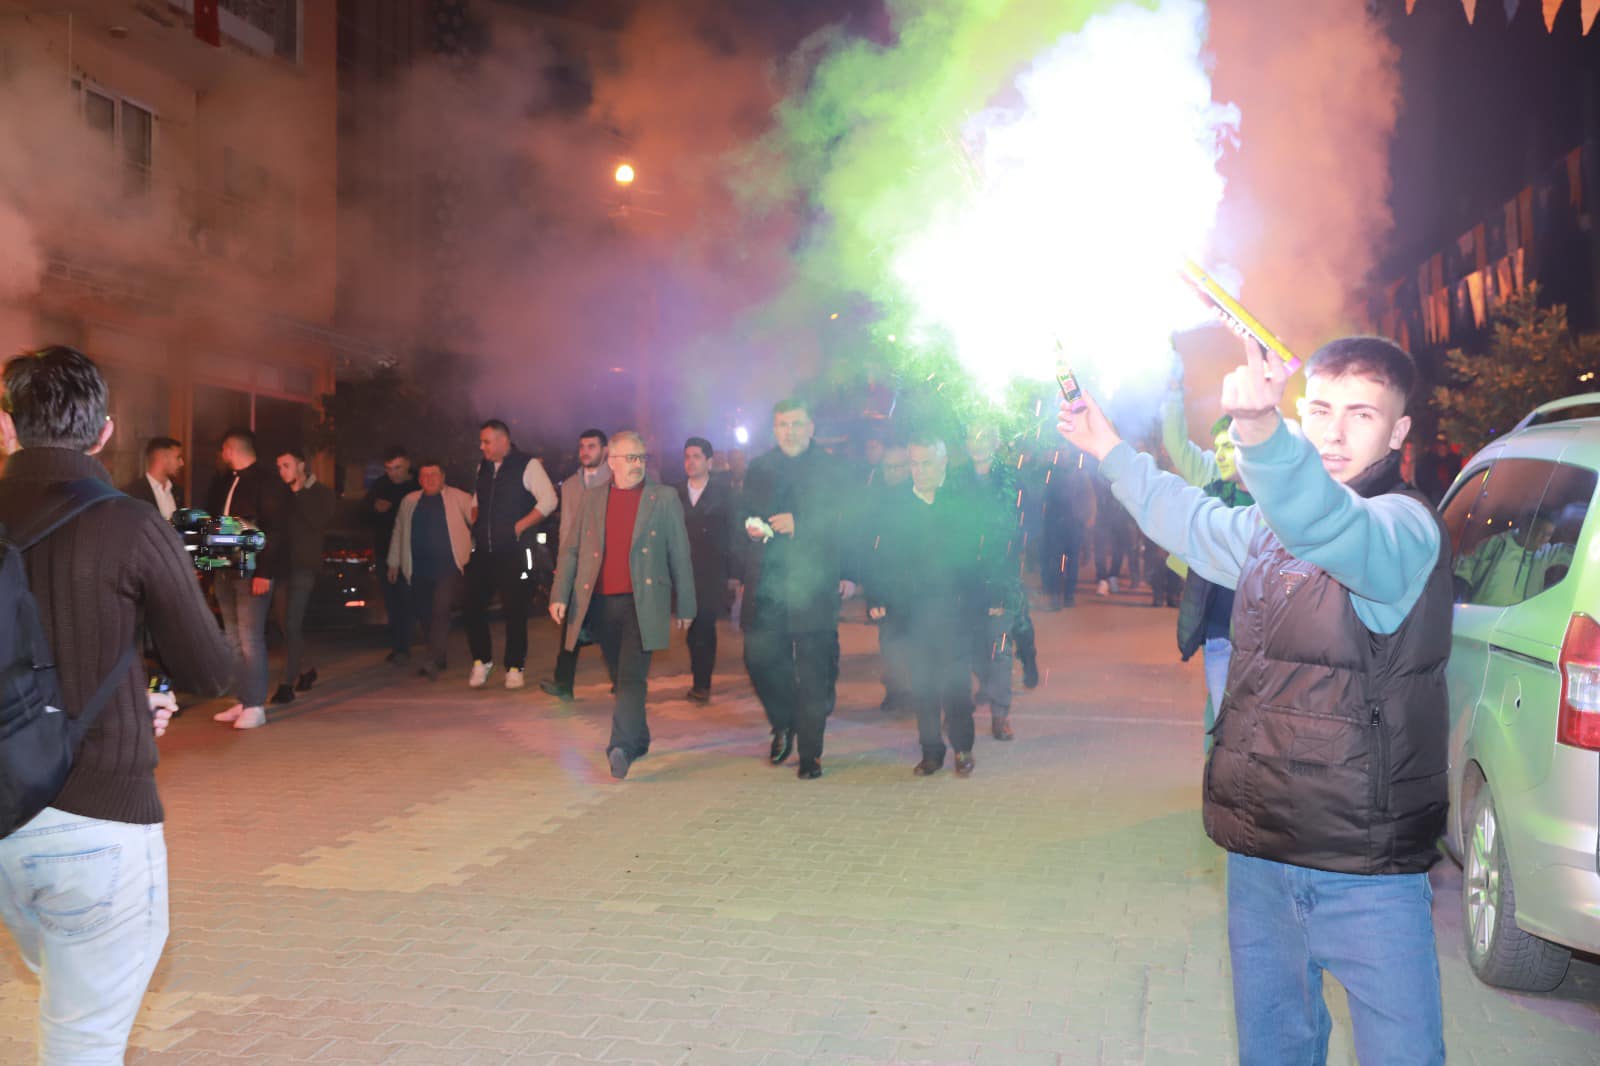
(1193, 463)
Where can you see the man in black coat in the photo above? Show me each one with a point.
(795, 498)
(379, 510)
(935, 582)
(247, 491)
(708, 512)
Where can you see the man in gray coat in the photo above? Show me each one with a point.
(626, 560)
(592, 471)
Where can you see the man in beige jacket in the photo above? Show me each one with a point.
(625, 563)
(431, 545)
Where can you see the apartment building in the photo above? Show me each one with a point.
(173, 210)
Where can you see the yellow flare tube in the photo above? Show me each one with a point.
(1233, 314)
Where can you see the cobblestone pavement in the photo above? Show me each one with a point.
(403, 872)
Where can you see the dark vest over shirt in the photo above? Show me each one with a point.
(1330, 745)
(502, 501)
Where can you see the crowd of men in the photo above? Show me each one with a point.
(1324, 783)
(800, 532)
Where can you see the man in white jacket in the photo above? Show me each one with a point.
(431, 545)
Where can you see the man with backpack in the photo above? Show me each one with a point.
(83, 870)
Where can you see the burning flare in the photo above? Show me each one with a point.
(1078, 206)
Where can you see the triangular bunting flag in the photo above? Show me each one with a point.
(1551, 8)
(1472, 8)
(1511, 10)
(1411, 5)
(1590, 9)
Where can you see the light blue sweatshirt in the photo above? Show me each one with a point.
(1381, 549)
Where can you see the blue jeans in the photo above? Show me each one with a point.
(244, 621)
(1216, 655)
(1287, 924)
(86, 902)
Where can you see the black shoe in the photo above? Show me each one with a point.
(619, 763)
(698, 695)
(964, 764)
(613, 688)
(782, 745)
(1001, 728)
(396, 657)
(928, 767)
(307, 679)
(560, 692)
(810, 769)
(430, 672)
(1030, 674)
(285, 694)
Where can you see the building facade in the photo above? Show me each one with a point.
(196, 255)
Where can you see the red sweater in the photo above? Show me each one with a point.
(622, 511)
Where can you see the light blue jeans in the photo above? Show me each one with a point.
(1216, 655)
(1287, 924)
(86, 902)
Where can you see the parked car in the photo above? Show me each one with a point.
(1524, 681)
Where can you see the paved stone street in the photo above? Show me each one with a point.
(402, 872)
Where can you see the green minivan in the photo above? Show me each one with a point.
(1524, 682)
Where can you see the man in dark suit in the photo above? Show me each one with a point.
(708, 512)
(158, 486)
(620, 572)
(934, 579)
(794, 505)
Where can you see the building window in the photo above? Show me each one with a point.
(127, 127)
(266, 27)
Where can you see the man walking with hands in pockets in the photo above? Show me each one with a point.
(1326, 781)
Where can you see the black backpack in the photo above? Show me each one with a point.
(38, 741)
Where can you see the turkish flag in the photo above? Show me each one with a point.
(208, 21)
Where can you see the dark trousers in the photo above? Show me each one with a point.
(497, 572)
(614, 621)
(291, 595)
(1027, 649)
(794, 675)
(397, 608)
(993, 655)
(244, 621)
(941, 688)
(1111, 550)
(432, 600)
(566, 673)
(896, 669)
(703, 647)
(1059, 573)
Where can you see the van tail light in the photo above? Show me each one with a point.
(1579, 722)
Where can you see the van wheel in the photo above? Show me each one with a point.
(1501, 954)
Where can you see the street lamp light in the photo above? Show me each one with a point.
(624, 174)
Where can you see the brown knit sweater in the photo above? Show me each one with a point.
(96, 578)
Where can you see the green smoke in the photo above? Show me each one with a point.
(870, 145)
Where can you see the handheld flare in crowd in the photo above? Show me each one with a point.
(1071, 391)
(1233, 314)
(218, 542)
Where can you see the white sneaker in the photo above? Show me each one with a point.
(480, 673)
(1103, 588)
(1115, 587)
(251, 718)
(514, 678)
(229, 715)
